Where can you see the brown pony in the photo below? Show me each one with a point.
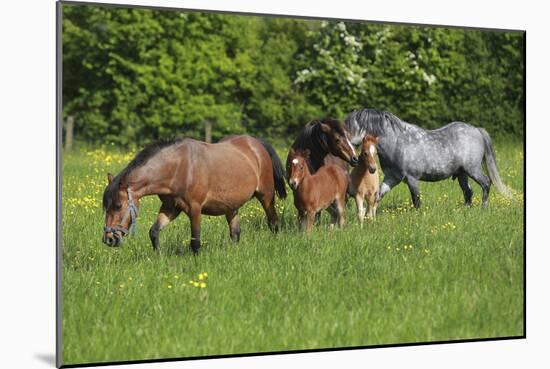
(316, 192)
(197, 178)
(364, 179)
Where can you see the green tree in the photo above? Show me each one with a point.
(275, 106)
(136, 75)
(332, 75)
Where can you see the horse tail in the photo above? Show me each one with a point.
(278, 170)
(490, 161)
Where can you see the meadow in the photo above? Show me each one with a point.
(444, 272)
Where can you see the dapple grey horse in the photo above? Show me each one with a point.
(411, 154)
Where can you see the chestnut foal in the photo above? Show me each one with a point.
(316, 192)
(364, 179)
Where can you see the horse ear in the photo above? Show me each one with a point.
(376, 139)
(110, 177)
(307, 152)
(325, 127)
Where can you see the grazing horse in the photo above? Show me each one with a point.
(321, 138)
(197, 178)
(316, 192)
(411, 154)
(364, 179)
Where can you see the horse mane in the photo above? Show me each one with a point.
(375, 122)
(312, 137)
(309, 132)
(110, 195)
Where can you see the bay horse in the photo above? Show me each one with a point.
(197, 178)
(411, 154)
(364, 179)
(324, 137)
(326, 189)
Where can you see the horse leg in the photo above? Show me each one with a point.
(466, 189)
(310, 215)
(414, 190)
(301, 220)
(359, 201)
(167, 213)
(340, 207)
(333, 211)
(375, 204)
(234, 225)
(318, 218)
(371, 199)
(268, 203)
(195, 217)
(388, 183)
(484, 182)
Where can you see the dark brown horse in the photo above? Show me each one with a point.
(326, 189)
(197, 178)
(321, 138)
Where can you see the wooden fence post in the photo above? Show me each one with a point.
(69, 127)
(208, 131)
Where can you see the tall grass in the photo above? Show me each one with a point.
(445, 272)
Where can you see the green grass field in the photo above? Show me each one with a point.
(445, 272)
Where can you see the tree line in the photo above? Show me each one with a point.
(131, 76)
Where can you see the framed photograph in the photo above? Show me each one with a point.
(235, 184)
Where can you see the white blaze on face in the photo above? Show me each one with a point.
(372, 150)
(351, 147)
(295, 179)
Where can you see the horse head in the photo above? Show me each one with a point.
(368, 152)
(336, 140)
(120, 212)
(298, 168)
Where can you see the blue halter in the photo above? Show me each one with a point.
(132, 212)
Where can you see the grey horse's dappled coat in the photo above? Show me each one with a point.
(409, 153)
